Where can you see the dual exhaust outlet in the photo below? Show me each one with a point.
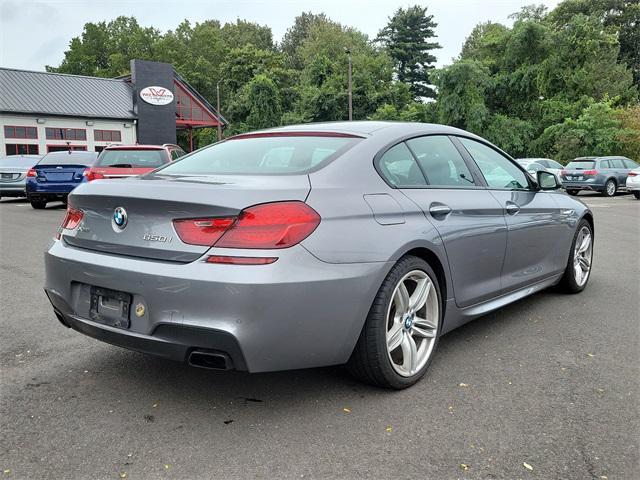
(210, 360)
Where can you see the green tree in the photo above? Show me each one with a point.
(297, 34)
(262, 102)
(105, 49)
(462, 91)
(597, 131)
(408, 39)
(621, 17)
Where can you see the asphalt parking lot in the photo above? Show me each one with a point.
(546, 388)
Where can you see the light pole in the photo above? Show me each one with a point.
(350, 86)
(218, 108)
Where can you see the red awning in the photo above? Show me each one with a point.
(191, 112)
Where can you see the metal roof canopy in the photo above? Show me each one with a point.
(47, 93)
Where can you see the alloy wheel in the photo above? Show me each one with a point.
(412, 323)
(611, 188)
(582, 256)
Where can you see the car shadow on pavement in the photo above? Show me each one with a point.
(112, 373)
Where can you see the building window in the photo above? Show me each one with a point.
(21, 149)
(65, 133)
(11, 131)
(64, 148)
(107, 135)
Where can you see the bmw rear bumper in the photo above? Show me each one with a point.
(298, 312)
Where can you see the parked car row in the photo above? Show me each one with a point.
(53, 176)
(606, 175)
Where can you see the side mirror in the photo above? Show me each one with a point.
(547, 181)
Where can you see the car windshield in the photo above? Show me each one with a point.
(134, 158)
(262, 155)
(581, 165)
(66, 158)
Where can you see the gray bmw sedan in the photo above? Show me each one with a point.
(311, 245)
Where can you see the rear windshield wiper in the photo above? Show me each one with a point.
(121, 165)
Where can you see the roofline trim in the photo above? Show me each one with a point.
(117, 79)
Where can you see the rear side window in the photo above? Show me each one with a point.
(582, 165)
(498, 171)
(132, 158)
(263, 155)
(176, 154)
(66, 158)
(617, 163)
(400, 169)
(441, 162)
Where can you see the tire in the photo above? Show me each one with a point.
(610, 188)
(636, 194)
(569, 283)
(38, 204)
(371, 360)
(573, 193)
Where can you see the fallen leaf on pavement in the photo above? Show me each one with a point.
(527, 466)
(388, 429)
(346, 410)
(463, 385)
(464, 466)
(590, 355)
(123, 474)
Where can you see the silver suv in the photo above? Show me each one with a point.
(601, 174)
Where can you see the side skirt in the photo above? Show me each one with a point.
(456, 317)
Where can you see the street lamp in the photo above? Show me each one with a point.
(348, 51)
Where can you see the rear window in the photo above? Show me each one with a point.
(272, 155)
(581, 165)
(17, 161)
(66, 158)
(132, 158)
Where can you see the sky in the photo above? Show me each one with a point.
(35, 33)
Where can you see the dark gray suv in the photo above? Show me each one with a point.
(601, 174)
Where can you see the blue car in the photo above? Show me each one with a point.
(56, 175)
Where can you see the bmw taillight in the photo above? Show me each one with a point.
(271, 226)
(589, 172)
(91, 174)
(71, 220)
(265, 226)
(32, 172)
(202, 231)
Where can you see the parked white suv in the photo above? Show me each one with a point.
(633, 182)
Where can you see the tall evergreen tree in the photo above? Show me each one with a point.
(408, 39)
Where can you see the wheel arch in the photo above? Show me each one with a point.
(588, 216)
(435, 263)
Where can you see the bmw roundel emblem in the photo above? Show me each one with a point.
(120, 217)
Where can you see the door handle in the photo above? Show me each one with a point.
(512, 208)
(439, 210)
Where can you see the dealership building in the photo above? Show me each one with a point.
(41, 112)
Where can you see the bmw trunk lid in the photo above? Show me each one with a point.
(134, 216)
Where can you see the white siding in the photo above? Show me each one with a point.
(126, 128)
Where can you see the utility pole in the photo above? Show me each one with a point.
(218, 108)
(350, 87)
